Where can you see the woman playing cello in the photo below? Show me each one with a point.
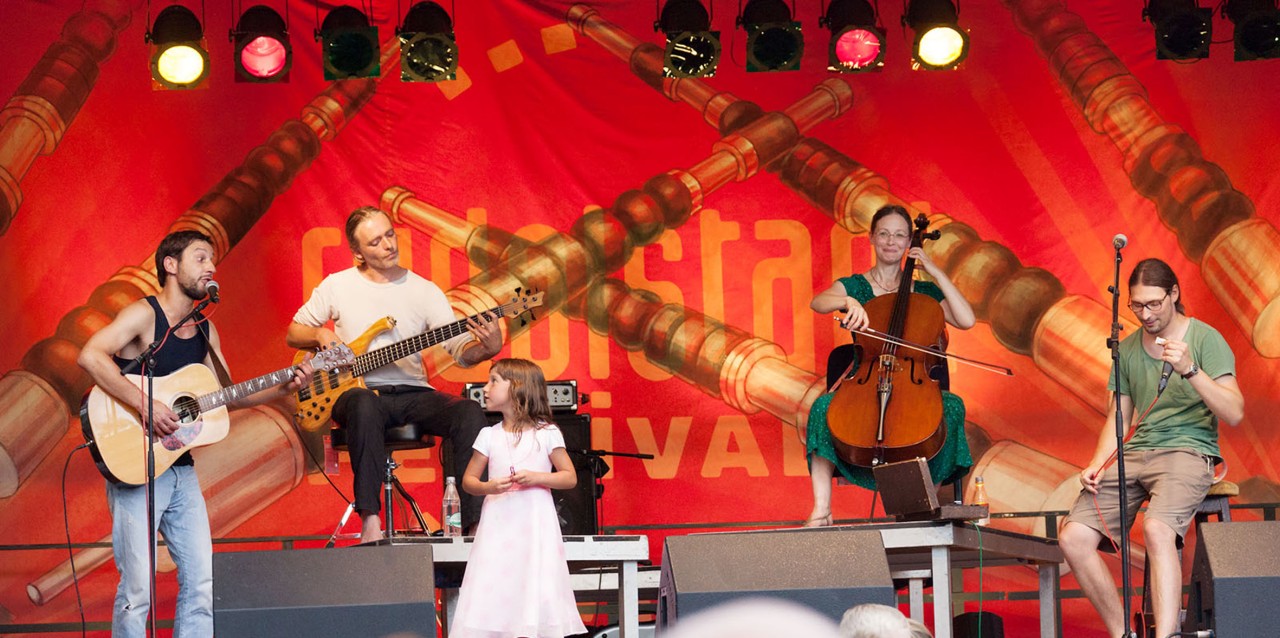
(891, 239)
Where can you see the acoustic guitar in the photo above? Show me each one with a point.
(315, 401)
(118, 434)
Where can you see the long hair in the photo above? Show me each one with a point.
(528, 392)
(1154, 272)
(172, 246)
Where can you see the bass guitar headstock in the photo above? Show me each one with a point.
(335, 357)
(522, 305)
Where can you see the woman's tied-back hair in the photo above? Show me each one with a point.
(354, 220)
(528, 391)
(172, 246)
(1154, 272)
(885, 211)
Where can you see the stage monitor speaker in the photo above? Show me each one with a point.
(1235, 579)
(829, 570)
(351, 592)
(576, 507)
(974, 624)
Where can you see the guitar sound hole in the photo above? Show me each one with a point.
(187, 409)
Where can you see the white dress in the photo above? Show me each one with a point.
(517, 579)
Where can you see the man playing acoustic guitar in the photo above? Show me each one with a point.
(357, 298)
(185, 268)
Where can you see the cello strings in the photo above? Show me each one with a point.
(876, 334)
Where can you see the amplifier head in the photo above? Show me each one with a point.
(562, 396)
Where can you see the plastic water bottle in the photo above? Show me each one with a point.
(451, 509)
(980, 498)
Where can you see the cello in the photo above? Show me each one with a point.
(891, 408)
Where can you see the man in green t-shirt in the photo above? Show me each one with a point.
(1170, 457)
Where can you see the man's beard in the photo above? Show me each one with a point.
(192, 290)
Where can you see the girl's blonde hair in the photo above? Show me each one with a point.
(528, 391)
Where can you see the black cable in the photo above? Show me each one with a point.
(320, 466)
(66, 526)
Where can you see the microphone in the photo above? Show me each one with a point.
(1164, 377)
(212, 289)
(1119, 241)
(1168, 367)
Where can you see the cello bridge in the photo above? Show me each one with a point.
(888, 362)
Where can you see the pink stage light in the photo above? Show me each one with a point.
(263, 57)
(857, 48)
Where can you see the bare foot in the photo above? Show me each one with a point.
(823, 520)
(371, 529)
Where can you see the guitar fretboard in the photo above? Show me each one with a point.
(243, 389)
(375, 359)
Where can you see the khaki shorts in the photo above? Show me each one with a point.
(1175, 481)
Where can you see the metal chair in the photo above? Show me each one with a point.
(407, 436)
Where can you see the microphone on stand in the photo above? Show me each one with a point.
(1119, 241)
(212, 289)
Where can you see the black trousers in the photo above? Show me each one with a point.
(366, 415)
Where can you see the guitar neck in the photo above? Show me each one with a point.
(233, 393)
(375, 359)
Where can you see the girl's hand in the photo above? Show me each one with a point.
(500, 484)
(526, 478)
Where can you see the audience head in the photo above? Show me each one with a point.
(874, 621)
(754, 618)
(918, 630)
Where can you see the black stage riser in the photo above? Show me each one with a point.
(1235, 580)
(576, 507)
(352, 592)
(828, 570)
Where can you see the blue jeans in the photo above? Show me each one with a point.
(182, 518)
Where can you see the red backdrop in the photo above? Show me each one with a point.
(1060, 130)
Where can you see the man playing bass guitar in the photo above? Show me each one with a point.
(185, 268)
(357, 298)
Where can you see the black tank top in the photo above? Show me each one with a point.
(176, 353)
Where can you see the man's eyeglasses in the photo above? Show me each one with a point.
(1150, 306)
(885, 235)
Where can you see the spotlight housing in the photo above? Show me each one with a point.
(693, 49)
(1257, 28)
(349, 45)
(857, 39)
(179, 55)
(940, 44)
(1183, 28)
(774, 41)
(262, 49)
(428, 47)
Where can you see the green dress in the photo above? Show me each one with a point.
(951, 462)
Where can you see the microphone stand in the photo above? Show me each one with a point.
(595, 462)
(1113, 343)
(147, 361)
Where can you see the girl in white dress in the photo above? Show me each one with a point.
(517, 580)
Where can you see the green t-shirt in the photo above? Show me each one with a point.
(1180, 419)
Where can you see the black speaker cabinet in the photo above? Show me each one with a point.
(829, 570)
(576, 507)
(1235, 580)
(351, 592)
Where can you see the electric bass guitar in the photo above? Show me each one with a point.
(315, 401)
(118, 434)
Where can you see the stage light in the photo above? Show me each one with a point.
(693, 49)
(349, 45)
(1183, 29)
(179, 57)
(1257, 28)
(262, 49)
(428, 48)
(774, 42)
(857, 41)
(939, 43)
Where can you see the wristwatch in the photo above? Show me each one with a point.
(1192, 371)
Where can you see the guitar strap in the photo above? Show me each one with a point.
(219, 367)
